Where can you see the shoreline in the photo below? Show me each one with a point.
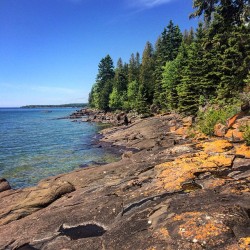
(173, 192)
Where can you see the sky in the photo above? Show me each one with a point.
(50, 49)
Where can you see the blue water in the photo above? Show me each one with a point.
(35, 144)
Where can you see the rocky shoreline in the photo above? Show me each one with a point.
(92, 115)
(172, 192)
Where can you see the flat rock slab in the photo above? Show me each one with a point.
(136, 203)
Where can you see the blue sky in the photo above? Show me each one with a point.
(50, 49)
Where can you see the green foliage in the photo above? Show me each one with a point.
(99, 96)
(231, 10)
(167, 48)
(184, 72)
(209, 118)
(115, 99)
(246, 134)
(141, 104)
(132, 93)
(147, 72)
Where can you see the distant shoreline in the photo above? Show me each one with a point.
(71, 105)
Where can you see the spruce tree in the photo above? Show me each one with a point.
(167, 48)
(104, 83)
(134, 67)
(120, 85)
(147, 72)
(172, 81)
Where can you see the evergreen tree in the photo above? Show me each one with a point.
(167, 48)
(104, 83)
(172, 80)
(141, 101)
(188, 36)
(132, 93)
(236, 62)
(147, 72)
(120, 85)
(134, 67)
(115, 100)
(234, 11)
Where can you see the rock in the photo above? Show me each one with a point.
(241, 163)
(171, 175)
(220, 130)
(245, 106)
(187, 121)
(234, 135)
(4, 185)
(35, 199)
(243, 150)
(177, 197)
(127, 154)
(216, 146)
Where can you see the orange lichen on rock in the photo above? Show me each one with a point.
(217, 146)
(213, 183)
(172, 174)
(232, 120)
(181, 131)
(243, 150)
(200, 227)
(244, 243)
(164, 232)
(172, 129)
(234, 135)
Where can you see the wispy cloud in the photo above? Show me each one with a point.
(147, 3)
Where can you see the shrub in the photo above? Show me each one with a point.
(246, 134)
(209, 118)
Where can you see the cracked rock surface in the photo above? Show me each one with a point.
(172, 193)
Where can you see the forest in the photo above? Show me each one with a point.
(183, 71)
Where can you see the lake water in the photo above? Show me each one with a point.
(35, 144)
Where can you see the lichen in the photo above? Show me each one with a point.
(217, 146)
(200, 227)
(244, 243)
(243, 150)
(172, 174)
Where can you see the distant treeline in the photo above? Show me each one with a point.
(70, 105)
(183, 71)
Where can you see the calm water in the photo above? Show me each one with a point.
(34, 144)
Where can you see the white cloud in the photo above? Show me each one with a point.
(148, 3)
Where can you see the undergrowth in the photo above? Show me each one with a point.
(246, 134)
(206, 120)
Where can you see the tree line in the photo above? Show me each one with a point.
(182, 71)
